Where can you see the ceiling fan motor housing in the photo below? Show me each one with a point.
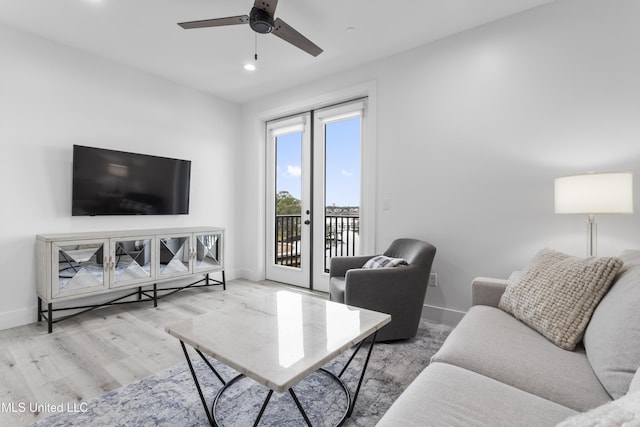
(260, 21)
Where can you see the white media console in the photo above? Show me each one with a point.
(80, 265)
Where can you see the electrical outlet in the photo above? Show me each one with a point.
(433, 279)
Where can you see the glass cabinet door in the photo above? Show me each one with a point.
(174, 253)
(78, 267)
(132, 260)
(208, 252)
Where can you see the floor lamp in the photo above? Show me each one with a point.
(594, 194)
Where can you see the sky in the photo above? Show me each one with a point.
(342, 163)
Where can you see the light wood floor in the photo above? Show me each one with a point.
(99, 351)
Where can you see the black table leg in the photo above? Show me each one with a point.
(304, 414)
(364, 370)
(264, 406)
(195, 379)
(350, 402)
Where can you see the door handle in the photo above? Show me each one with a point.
(307, 222)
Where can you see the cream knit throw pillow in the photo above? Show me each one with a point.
(557, 293)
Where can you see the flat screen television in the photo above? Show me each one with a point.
(109, 182)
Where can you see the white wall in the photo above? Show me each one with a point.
(473, 129)
(52, 97)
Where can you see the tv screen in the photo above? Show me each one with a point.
(109, 182)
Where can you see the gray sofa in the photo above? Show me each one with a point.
(493, 370)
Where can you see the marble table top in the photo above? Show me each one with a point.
(280, 338)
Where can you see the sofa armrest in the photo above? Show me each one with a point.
(487, 291)
(374, 287)
(339, 265)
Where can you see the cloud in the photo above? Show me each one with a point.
(294, 171)
(346, 173)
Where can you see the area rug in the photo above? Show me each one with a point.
(169, 398)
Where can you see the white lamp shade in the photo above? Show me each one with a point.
(594, 193)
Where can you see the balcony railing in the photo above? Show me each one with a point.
(342, 238)
(288, 236)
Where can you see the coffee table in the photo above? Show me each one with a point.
(277, 340)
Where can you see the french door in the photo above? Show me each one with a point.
(313, 193)
(289, 201)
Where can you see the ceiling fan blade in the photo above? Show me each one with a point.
(268, 6)
(218, 22)
(288, 34)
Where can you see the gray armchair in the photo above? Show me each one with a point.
(398, 291)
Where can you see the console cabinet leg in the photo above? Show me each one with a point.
(50, 317)
(224, 282)
(39, 310)
(155, 295)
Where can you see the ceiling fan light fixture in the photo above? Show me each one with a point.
(260, 21)
(250, 67)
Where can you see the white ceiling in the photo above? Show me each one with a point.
(144, 35)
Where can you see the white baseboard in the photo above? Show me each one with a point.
(447, 316)
(11, 319)
(251, 275)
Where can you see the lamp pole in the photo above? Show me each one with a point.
(592, 235)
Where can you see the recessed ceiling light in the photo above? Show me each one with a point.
(249, 67)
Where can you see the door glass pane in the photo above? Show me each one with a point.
(342, 189)
(133, 260)
(288, 196)
(207, 251)
(80, 266)
(174, 255)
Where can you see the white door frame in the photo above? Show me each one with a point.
(369, 158)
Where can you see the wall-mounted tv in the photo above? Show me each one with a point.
(109, 182)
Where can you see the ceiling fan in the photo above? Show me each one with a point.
(261, 20)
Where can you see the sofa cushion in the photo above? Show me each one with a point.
(493, 343)
(621, 412)
(612, 339)
(557, 293)
(446, 395)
